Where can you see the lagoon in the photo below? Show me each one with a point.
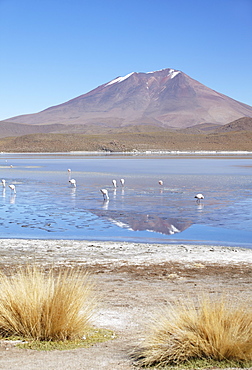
(45, 205)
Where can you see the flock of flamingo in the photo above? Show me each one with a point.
(104, 192)
(11, 186)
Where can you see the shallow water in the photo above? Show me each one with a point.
(46, 206)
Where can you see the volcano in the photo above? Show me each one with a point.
(167, 98)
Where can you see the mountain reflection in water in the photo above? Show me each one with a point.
(141, 222)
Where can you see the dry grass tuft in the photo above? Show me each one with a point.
(206, 329)
(44, 306)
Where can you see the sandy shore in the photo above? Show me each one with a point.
(133, 281)
(89, 253)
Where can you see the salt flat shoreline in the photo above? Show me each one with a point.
(139, 152)
(83, 252)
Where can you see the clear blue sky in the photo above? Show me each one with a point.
(54, 50)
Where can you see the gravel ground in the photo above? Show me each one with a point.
(133, 282)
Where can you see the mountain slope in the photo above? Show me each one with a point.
(165, 98)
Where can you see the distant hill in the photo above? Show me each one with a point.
(241, 124)
(167, 99)
(200, 128)
(18, 129)
(10, 129)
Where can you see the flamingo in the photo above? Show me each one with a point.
(3, 183)
(122, 182)
(13, 188)
(114, 183)
(73, 182)
(198, 197)
(161, 183)
(105, 194)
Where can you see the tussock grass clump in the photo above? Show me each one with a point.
(45, 306)
(215, 330)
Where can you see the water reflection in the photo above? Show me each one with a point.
(141, 222)
(13, 199)
(73, 192)
(105, 204)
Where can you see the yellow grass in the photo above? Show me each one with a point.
(217, 330)
(41, 306)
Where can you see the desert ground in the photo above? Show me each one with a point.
(133, 281)
(128, 141)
